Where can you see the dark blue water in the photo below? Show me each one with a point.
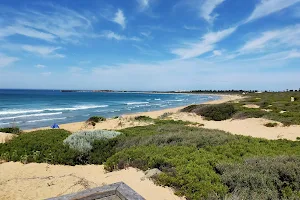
(38, 108)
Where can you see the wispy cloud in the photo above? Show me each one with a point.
(143, 4)
(267, 7)
(28, 32)
(58, 25)
(191, 27)
(146, 50)
(115, 36)
(206, 44)
(40, 66)
(120, 19)
(207, 8)
(7, 60)
(273, 40)
(47, 51)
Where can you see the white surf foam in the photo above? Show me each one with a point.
(79, 107)
(31, 115)
(49, 119)
(136, 103)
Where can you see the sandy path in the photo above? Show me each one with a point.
(39, 181)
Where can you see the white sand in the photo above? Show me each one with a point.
(5, 137)
(40, 181)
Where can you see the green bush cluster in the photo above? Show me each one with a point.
(13, 130)
(196, 162)
(263, 178)
(143, 118)
(40, 146)
(217, 112)
(279, 101)
(96, 119)
(270, 124)
(82, 141)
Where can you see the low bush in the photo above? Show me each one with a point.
(82, 141)
(248, 113)
(143, 118)
(40, 146)
(189, 157)
(175, 134)
(96, 119)
(13, 130)
(216, 112)
(263, 178)
(271, 124)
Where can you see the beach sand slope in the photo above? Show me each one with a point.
(40, 181)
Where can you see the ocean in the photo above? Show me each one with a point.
(41, 108)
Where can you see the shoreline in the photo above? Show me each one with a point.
(111, 123)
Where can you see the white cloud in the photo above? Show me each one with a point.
(217, 53)
(120, 18)
(115, 36)
(143, 4)
(206, 44)
(191, 27)
(21, 30)
(59, 24)
(273, 40)
(40, 66)
(267, 7)
(43, 50)
(146, 34)
(7, 60)
(207, 8)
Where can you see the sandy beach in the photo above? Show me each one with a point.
(249, 127)
(37, 181)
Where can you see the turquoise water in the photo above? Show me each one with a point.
(38, 108)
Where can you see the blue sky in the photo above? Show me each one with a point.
(150, 44)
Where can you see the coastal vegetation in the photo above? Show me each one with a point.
(281, 106)
(96, 119)
(13, 130)
(216, 112)
(198, 163)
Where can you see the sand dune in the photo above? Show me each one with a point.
(40, 181)
(5, 137)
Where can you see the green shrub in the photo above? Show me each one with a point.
(216, 112)
(143, 118)
(40, 146)
(271, 124)
(190, 108)
(96, 119)
(82, 141)
(249, 113)
(264, 178)
(13, 130)
(189, 156)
